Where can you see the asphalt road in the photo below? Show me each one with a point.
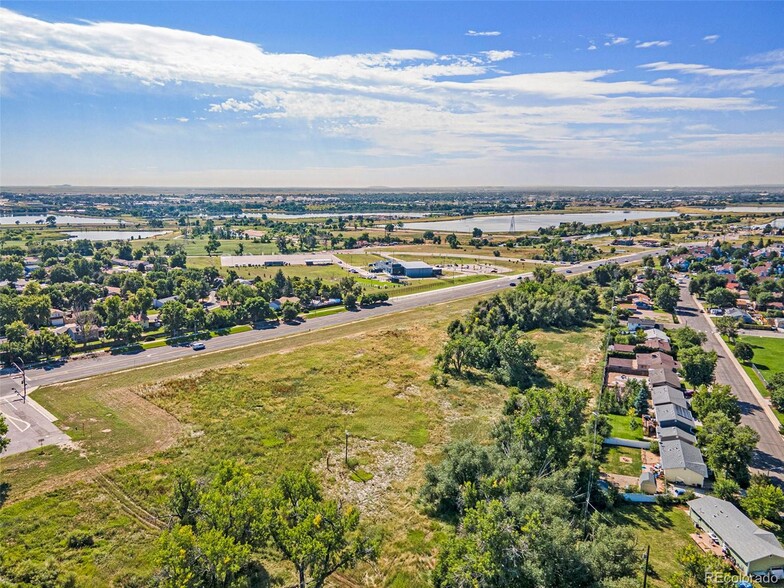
(770, 449)
(103, 363)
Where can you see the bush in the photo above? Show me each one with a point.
(79, 539)
(654, 448)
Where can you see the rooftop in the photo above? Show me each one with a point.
(677, 454)
(735, 529)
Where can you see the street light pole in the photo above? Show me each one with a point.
(24, 379)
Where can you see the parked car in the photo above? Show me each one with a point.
(714, 538)
(198, 346)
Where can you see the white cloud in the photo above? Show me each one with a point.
(740, 79)
(402, 102)
(182, 119)
(615, 40)
(498, 55)
(710, 38)
(592, 47)
(649, 44)
(471, 33)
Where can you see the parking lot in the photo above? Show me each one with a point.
(29, 425)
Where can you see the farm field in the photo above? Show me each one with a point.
(275, 406)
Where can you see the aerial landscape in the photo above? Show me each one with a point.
(391, 294)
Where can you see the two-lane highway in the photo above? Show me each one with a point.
(103, 363)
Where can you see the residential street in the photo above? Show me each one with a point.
(770, 450)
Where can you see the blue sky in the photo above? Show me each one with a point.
(396, 94)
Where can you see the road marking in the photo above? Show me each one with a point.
(15, 420)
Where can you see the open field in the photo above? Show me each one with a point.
(665, 529)
(768, 359)
(196, 246)
(274, 406)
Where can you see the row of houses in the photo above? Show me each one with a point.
(673, 423)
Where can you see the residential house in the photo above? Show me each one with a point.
(278, 303)
(669, 433)
(622, 348)
(661, 395)
(77, 335)
(657, 360)
(56, 317)
(634, 323)
(663, 377)
(738, 314)
(672, 415)
(682, 463)
(641, 301)
(656, 334)
(755, 550)
(647, 482)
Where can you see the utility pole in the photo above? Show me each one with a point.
(645, 572)
(346, 446)
(24, 379)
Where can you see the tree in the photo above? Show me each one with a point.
(728, 327)
(61, 274)
(258, 309)
(452, 240)
(212, 244)
(763, 500)
(697, 366)
(698, 569)
(318, 536)
(289, 311)
(721, 297)
(16, 332)
(776, 387)
(4, 440)
(687, 337)
(458, 352)
(516, 359)
(743, 351)
(125, 331)
(11, 270)
(667, 296)
(727, 448)
(477, 233)
(173, 316)
(746, 278)
(464, 462)
(725, 488)
(86, 321)
(35, 310)
(716, 398)
(641, 402)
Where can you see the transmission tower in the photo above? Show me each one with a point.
(512, 228)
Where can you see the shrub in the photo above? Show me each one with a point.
(79, 539)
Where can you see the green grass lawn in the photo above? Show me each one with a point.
(359, 259)
(769, 360)
(196, 246)
(622, 429)
(276, 406)
(665, 529)
(614, 465)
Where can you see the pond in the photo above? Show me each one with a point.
(113, 235)
(334, 215)
(62, 219)
(533, 222)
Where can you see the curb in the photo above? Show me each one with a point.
(763, 402)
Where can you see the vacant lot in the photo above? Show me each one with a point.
(277, 406)
(623, 461)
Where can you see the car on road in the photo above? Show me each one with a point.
(198, 346)
(590, 267)
(513, 284)
(568, 271)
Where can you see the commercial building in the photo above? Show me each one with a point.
(410, 269)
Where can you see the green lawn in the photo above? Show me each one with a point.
(769, 360)
(622, 429)
(359, 259)
(614, 465)
(665, 529)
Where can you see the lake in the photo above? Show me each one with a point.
(114, 235)
(533, 222)
(750, 209)
(334, 215)
(62, 219)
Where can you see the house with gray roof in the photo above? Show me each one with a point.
(663, 377)
(754, 550)
(682, 463)
(668, 395)
(670, 433)
(672, 415)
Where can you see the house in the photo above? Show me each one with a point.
(738, 314)
(641, 301)
(56, 317)
(159, 302)
(755, 550)
(76, 334)
(672, 415)
(724, 269)
(278, 303)
(635, 323)
(682, 463)
(113, 291)
(661, 395)
(657, 345)
(622, 348)
(680, 263)
(670, 433)
(663, 377)
(657, 360)
(647, 482)
(762, 271)
(656, 334)
(623, 365)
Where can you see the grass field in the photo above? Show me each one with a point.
(665, 529)
(768, 359)
(275, 406)
(359, 259)
(196, 246)
(622, 429)
(615, 465)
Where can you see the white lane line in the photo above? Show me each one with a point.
(15, 420)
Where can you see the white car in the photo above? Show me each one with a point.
(198, 346)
